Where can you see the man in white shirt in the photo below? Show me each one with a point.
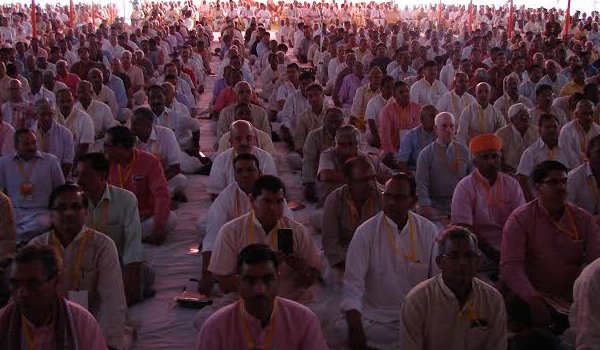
(77, 121)
(457, 99)
(403, 70)
(374, 107)
(161, 142)
(543, 99)
(53, 137)
(375, 284)
(448, 72)
(28, 177)
(511, 96)
(37, 89)
(471, 311)
(479, 117)
(99, 112)
(576, 134)
(545, 148)
(114, 49)
(103, 93)
(241, 136)
(429, 89)
(582, 188)
(293, 106)
(553, 78)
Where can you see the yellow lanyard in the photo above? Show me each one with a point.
(273, 243)
(593, 192)
(128, 170)
(454, 101)
(43, 139)
(238, 204)
(26, 174)
(353, 211)
(246, 329)
(583, 138)
(550, 153)
(29, 337)
(411, 236)
(76, 272)
(491, 197)
(442, 155)
(573, 233)
(469, 311)
(481, 119)
(100, 225)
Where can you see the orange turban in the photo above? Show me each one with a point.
(485, 143)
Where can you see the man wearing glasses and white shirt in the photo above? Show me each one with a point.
(375, 284)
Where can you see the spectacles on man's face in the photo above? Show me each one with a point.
(556, 182)
(30, 283)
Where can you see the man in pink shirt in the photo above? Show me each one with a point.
(483, 200)
(64, 76)
(36, 316)
(545, 245)
(261, 319)
(398, 116)
(141, 173)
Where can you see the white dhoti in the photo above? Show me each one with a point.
(381, 336)
(31, 222)
(189, 164)
(148, 225)
(177, 184)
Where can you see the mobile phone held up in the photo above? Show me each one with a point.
(285, 241)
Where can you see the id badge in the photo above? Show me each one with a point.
(26, 191)
(79, 297)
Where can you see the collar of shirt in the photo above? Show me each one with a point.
(447, 291)
(106, 196)
(516, 133)
(542, 145)
(38, 154)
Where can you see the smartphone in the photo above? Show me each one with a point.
(285, 241)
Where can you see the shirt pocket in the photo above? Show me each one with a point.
(476, 336)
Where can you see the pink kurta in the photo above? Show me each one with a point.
(393, 120)
(537, 257)
(293, 327)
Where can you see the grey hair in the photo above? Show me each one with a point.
(456, 232)
(347, 130)
(145, 113)
(237, 86)
(439, 116)
(482, 74)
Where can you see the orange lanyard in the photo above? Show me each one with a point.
(469, 311)
(411, 236)
(573, 233)
(454, 101)
(550, 153)
(238, 204)
(76, 272)
(591, 183)
(26, 174)
(491, 198)
(250, 224)
(442, 155)
(27, 334)
(43, 139)
(100, 225)
(128, 170)
(583, 138)
(246, 329)
(353, 211)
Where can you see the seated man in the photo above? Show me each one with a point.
(348, 207)
(444, 156)
(584, 314)
(101, 114)
(311, 118)
(457, 99)
(227, 116)
(546, 147)
(331, 163)
(241, 137)
(375, 284)
(480, 117)
(545, 244)
(52, 137)
(576, 133)
(299, 270)
(92, 276)
(511, 96)
(114, 212)
(481, 320)
(363, 94)
(543, 99)
(483, 200)
(28, 177)
(261, 311)
(161, 142)
(516, 137)
(8, 228)
(141, 173)
(416, 139)
(77, 121)
(582, 188)
(293, 106)
(396, 118)
(42, 314)
(262, 139)
(317, 141)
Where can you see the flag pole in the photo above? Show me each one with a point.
(568, 18)
(71, 14)
(510, 20)
(33, 20)
(470, 29)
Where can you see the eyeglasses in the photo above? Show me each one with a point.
(557, 182)
(468, 257)
(63, 208)
(30, 283)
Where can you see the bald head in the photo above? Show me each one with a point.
(241, 136)
(444, 126)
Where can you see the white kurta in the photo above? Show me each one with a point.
(424, 93)
(474, 120)
(573, 137)
(452, 103)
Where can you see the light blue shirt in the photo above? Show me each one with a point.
(116, 85)
(412, 143)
